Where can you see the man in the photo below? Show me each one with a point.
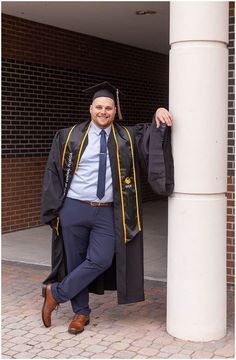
(91, 199)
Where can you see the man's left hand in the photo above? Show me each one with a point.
(163, 116)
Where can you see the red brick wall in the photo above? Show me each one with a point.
(230, 230)
(21, 192)
(231, 151)
(44, 70)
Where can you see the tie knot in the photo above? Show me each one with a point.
(102, 132)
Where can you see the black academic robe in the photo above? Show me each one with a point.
(152, 153)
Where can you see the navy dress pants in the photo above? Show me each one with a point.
(89, 242)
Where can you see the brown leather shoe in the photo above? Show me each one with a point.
(48, 306)
(78, 323)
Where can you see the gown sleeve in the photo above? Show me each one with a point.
(155, 154)
(52, 190)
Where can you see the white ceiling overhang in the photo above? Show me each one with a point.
(112, 20)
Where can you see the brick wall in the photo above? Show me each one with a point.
(231, 151)
(44, 70)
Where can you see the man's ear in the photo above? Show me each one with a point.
(90, 108)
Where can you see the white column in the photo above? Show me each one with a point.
(196, 277)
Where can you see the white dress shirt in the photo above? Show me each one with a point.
(84, 182)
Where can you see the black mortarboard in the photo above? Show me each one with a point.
(105, 89)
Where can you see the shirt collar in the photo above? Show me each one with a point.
(96, 129)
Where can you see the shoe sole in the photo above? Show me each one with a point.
(75, 332)
(45, 298)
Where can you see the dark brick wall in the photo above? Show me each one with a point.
(44, 70)
(40, 99)
(43, 44)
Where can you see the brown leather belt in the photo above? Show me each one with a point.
(94, 203)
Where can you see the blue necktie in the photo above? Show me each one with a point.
(102, 165)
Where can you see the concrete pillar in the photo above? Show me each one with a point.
(196, 276)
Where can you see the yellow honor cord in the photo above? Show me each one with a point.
(120, 182)
(57, 226)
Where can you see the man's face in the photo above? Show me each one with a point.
(103, 111)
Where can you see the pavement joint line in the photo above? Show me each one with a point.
(17, 262)
(155, 279)
(12, 262)
(25, 262)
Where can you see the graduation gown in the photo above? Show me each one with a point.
(150, 152)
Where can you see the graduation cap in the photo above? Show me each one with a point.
(105, 89)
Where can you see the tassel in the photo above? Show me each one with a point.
(118, 105)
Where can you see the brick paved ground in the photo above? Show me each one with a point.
(115, 331)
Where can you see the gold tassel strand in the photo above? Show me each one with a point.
(118, 105)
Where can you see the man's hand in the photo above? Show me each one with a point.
(163, 116)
